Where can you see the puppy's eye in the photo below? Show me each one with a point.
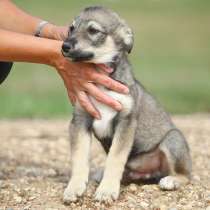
(93, 31)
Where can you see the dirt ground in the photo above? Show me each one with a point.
(34, 169)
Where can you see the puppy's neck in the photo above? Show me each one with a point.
(122, 70)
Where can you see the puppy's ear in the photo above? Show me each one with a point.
(125, 33)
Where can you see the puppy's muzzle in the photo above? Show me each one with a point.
(69, 44)
(68, 50)
(66, 47)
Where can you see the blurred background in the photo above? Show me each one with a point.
(171, 57)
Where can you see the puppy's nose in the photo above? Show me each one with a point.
(66, 47)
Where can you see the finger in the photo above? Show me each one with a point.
(102, 97)
(109, 83)
(84, 101)
(70, 91)
(72, 97)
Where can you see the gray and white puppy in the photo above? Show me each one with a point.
(141, 141)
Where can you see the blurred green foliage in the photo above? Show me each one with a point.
(171, 56)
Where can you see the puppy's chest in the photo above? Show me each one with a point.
(104, 127)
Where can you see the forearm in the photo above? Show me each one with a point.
(20, 47)
(14, 19)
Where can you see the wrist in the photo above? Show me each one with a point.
(48, 31)
(56, 58)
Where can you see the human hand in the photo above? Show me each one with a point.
(51, 31)
(60, 32)
(80, 80)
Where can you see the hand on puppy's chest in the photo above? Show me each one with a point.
(103, 127)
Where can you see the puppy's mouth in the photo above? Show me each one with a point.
(82, 56)
(78, 55)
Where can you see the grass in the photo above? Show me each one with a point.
(171, 57)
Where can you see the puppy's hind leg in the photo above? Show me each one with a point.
(177, 153)
(80, 139)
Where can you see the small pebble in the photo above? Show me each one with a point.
(173, 209)
(196, 178)
(133, 188)
(144, 204)
(31, 198)
(27, 207)
(18, 199)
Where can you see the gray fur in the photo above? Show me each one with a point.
(152, 126)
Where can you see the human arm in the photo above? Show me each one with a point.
(76, 76)
(19, 21)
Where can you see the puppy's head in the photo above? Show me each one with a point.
(97, 35)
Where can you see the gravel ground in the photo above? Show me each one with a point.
(34, 169)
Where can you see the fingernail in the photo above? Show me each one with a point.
(126, 90)
(118, 106)
(97, 116)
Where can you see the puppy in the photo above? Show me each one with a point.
(141, 141)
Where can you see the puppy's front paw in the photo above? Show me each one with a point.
(169, 183)
(107, 192)
(74, 189)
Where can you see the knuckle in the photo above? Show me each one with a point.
(94, 76)
(108, 82)
(92, 112)
(104, 99)
(111, 103)
(83, 102)
(90, 109)
(100, 98)
(89, 72)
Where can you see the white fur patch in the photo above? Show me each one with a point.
(107, 191)
(80, 172)
(126, 34)
(102, 127)
(103, 54)
(169, 183)
(75, 189)
(95, 25)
